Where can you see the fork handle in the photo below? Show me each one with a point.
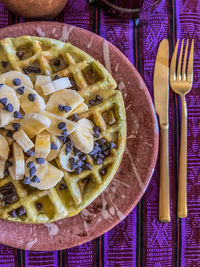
(182, 182)
(164, 205)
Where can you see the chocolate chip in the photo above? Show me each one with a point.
(107, 152)
(26, 180)
(9, 107)
(62, 138)
(30, 69)
(8, 164)
(31, 97)
(13, 213)
(60, 107)
(83, 157)
(72, 160)
(95, 156)
(3, 101)
(104, 147)
(32, 171)
(16, 126)
(20, 54)
(103, 170)
(88, 166)
(96, 129)
(40, 160)
(56, 77)
(56, 62)
(74, 86)
(20, 90)
(101, 141)
(54, 146)
(30, 164)
(92, 102)
(35, 179)
(112, 145)
(69, 144)
(75, 117)
(61, 125)
(76, 151)
(6, 172)
(9, 133)
(79, 163)
(98, 98)
(1, 84)
(16, 81)
(102, 156)
(8, 194)
(21, 211)
(99, 161)
(96, 135)
(67, 109)
(31, 152)
(38, 206)
(62, 187)
(4, 63)
(78, 170)
(65, 133)
(17, 115)
(67, 150)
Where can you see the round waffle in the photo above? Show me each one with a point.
(33, 56)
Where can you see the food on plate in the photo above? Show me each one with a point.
(63, 129)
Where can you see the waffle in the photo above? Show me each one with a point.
(33, 56)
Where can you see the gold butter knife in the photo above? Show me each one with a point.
(161, 102)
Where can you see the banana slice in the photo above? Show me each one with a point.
(32, 106)
(56, 85)
(4, 148)
(63, 159)
(41, 80)
(23, 140)
(82, 137)
(2, 168)
(81, 108)
(42, 145)
(10, 125)
(8, 139)
(53, 128)
(56, 145)
(8, 77)
(5, 116)
(18, 160)
(48, 179)
(34, 123)
(65, 97)
(40, 168)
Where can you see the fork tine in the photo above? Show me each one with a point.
(173, 63)
(184, 62)
(190, 63)
(179, 62)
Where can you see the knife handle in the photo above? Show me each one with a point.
(164, 206)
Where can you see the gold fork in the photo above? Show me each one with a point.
(181, 84)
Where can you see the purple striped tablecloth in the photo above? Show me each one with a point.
(140, 240)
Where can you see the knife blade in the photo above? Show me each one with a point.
(161, 82)
(161, 102)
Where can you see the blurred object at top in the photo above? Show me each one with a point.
(121, 8)
(35, 9)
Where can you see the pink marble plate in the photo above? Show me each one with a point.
(137, 166)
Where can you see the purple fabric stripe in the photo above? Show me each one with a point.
(159, 240)
(41, 258)
(7, 257)
(189, 25)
